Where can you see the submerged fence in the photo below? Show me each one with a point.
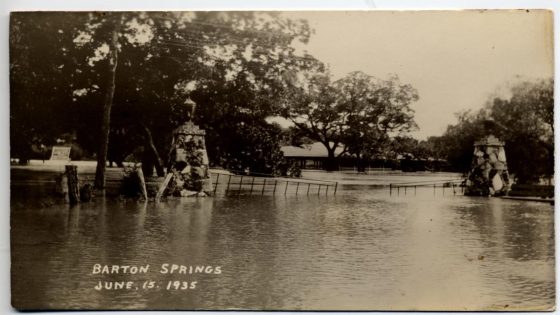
(455, 185)
(232, 184)
(223, 183)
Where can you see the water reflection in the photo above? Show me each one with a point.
(516, 234)
(361, 249)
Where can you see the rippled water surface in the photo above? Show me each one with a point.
(362, 249)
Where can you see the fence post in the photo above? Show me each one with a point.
(217, 180)
(286, 189)
(308, 186)
(229, 180)
(252, 183)
(275, 183)
(72, 176)
(327, 191)
(264, 185)
(142, 183)
(240, 183)
(335, 187)
(164, 186)
(319, 189)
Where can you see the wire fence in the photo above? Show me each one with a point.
(455, 185)
(234, 184)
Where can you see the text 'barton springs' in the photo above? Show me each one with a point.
(163, 269)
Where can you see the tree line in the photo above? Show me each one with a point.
(524, 120)
(115, 85)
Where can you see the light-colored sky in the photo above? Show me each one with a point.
(455, 59)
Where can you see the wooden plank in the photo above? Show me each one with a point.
(142, 183)
(164, 186)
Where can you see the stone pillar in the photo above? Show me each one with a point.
(189, 162)
(489, 175)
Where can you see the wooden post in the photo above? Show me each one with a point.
(264, 185)
(327, 190)
(252, 183)
(390, 189)
(308, 186)
(216, 187)
(335, 187)
(164, 186)
(72, 178)
(240, 183)
(405, 190)
(274, 191)
(142, 183)
(286, 190)
(297, 188)
(318, 189)
(229, 180)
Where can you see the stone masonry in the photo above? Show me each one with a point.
(489, 174)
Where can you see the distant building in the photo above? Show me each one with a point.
(311, 156)
(314, 156)
(409, 163)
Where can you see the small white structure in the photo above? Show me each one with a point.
(60, 153)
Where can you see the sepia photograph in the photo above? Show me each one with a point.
(282, 160)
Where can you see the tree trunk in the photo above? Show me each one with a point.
(147, 163)
(361, 167)
(72, 176)
(331, 163)
(155, 156)
(108, 103)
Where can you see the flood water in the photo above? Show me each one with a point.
(362, 249)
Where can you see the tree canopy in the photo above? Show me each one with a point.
(233, 65)
(524, 120)
(358, 112)
(128, 79)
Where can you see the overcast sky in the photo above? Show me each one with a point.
(455, 59)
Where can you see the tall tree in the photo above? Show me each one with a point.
(524, 120)
(376, 109)
(358, 112)
(313, 108)
(235, 65)
(41, 82)
(113, 58)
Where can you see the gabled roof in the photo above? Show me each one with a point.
(316, 149)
